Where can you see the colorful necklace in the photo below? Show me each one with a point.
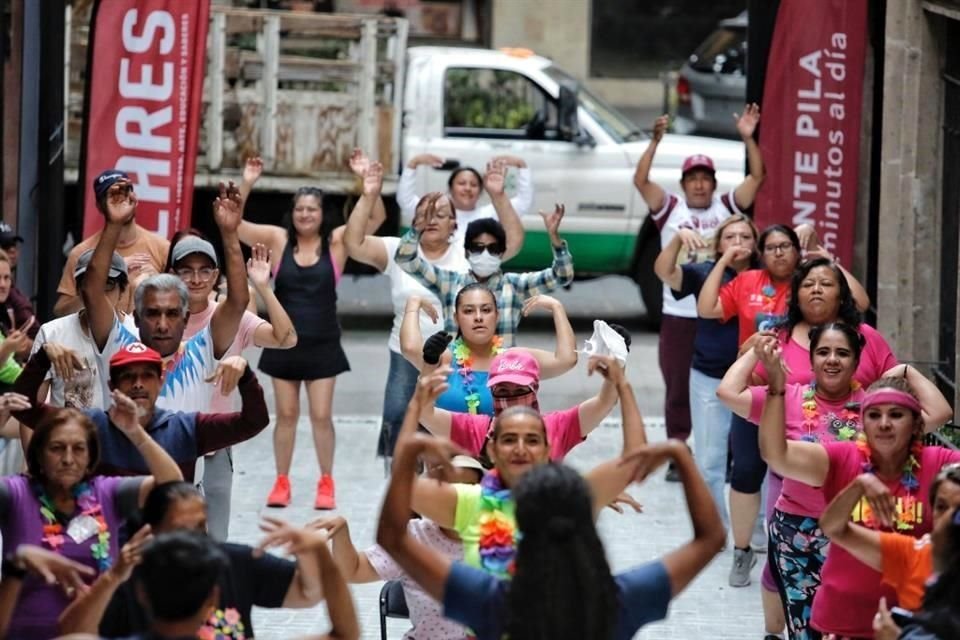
(768, 292)
(909, 509)
(88, 505)
(464, 359)
(843, 427)
(498, 530)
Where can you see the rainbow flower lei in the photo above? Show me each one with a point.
(909, 509)
(88, 505)
(498, 531)
(843, 427)
(464, 359)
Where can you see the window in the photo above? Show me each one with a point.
(496, 103)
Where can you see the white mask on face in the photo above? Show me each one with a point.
(483, 265)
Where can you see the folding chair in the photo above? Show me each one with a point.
(393, 604)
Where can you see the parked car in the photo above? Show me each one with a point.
(713, 83)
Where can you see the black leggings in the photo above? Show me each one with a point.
(748, 467)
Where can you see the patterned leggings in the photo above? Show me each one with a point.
(796, 553)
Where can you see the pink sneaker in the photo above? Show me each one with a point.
(280, 495)
(325, 493)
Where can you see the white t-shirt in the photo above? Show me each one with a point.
(403, 285)
(83, 390)
(184, 384)
(407, 199)
(676, 215)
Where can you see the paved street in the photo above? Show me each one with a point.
(708, 609)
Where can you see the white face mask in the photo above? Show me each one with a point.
(483, 265)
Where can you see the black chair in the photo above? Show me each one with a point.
(393, 604)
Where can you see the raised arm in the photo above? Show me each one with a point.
(411, 339)
(340, 607)
(354, 565)
(252, 170)
(564, 356)
(228, 213)
(666, 266)
(494, 182)
(860, 296)
(709, 534)
(364, 248)
(746, 193)
(803, 461)
(708, 302)
(121, 207)
(215, 431)
(407, 197)
(250, 233)
(593, 410)
(934, 406)
(279, 332)
(734, 388)
(860, 542)
(652, 193)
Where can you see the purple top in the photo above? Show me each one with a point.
(39, 605)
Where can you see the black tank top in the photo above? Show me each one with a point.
(309, 295)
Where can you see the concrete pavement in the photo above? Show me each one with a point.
(709, 608)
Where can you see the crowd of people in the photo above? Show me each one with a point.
(115, 519)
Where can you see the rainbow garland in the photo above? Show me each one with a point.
(909, 509)
(464, 359)
(498, 531)
(88, 505)
(843, 427)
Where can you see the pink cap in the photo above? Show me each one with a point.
(516, 366)
(698, 161)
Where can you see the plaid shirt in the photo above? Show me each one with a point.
(511, 289)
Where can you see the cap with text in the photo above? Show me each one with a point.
(698, 161)
(135, 353)
(103, 182)
(516, 366)
(8, 236)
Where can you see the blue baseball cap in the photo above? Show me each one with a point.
(103, 182)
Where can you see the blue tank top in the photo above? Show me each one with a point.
(455, 397)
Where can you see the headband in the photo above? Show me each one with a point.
(890, 396)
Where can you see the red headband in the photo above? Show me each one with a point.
(890, 396)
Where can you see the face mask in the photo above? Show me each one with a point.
(484, 265)
(526, 400)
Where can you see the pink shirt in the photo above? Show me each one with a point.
(796, 497)
(875, 360)
(563, 431)
(847, 598)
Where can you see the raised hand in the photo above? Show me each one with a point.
(11, 401)
(252, 170)
(293, 540)
(425, 210)
(125, 414)
(691, 240)
(131, 554)
(747, 123)
(358, 162)
(608, 367)
(121, 203)
(372, 179)
(624, 333)
(228, 374)
(416, 304)
(434, 346)
(625, 499)
(496, 177)
(258, 265)
(650, 457)
(552, 221)
(818, 252)
(541, 301)
(64, 360)
(228, 208)
(331, 524)
(768, 351)
(660, 127)
(432, 450)
(432, 386)
(735, 253)
(428, 159)
(510, 161)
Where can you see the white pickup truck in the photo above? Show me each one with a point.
(302, 89)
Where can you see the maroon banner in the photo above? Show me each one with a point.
(810, 134)
(143, 105)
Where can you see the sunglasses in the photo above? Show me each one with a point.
(476, 248)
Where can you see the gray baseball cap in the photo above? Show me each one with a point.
(193, 244)
(117, 264)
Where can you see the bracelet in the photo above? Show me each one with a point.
(11, 569)
(771, 392)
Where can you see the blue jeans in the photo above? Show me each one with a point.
(710, 419)
(401, 384)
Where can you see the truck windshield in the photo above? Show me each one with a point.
(618, 126)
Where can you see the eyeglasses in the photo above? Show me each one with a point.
(783, 247)
(476, 248)
(203, 274)
(438, 215)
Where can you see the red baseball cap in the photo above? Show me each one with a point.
(135, 353)
(698, 161)
(516, 366)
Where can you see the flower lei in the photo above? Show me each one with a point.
(464, 359)
(223, 625)
(498, 531)
(843, 427)
(88, 505)
(909, 509)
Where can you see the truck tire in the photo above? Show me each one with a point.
(651, 289)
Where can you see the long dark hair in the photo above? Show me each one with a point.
(326, 227)
(847, 313)
(562, 587)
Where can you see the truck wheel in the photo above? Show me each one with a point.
(651, 289)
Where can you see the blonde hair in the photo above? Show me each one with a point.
(734, 219)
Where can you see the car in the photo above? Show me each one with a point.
(712, 84)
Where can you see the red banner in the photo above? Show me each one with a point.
(810, 134)
(143, 105)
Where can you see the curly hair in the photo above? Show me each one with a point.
(560, 559)
(847, 313)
